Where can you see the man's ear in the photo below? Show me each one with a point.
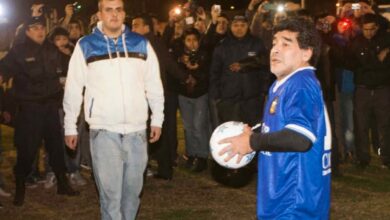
(307, 54)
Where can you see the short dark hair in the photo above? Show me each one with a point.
(224, 15)
(308, 36)
(191, 31)
(147, 19)
(369, 18)
(58, 31)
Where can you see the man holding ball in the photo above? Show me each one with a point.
(295, 142)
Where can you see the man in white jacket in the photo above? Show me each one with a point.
(120, 73)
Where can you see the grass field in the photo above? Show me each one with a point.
(356, 195)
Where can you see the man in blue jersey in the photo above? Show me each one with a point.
(294, 145)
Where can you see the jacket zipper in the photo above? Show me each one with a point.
(121, 81)
(90, 107)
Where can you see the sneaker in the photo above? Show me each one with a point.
(50, 180)
(76, 179)
(4, 193)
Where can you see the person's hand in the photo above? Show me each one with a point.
(235, 67)
(239, 144)
(7, 117)
(71, 141)
(330, 19)
(37, 10)
(262, 9)
(252, 4)
(69, 10)
(214, 14)
(200, 13)
(173, 16)
(185, 58)
(192, 66)
(383, 54)
(290, 6)
(155, 133)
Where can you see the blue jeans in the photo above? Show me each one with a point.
(119, 162)
(346, 110)
(195, 115)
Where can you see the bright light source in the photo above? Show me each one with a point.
(232, 7)
(280, 8)
(177, 11)
(338, 5)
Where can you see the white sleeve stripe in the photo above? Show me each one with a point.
(303, 131)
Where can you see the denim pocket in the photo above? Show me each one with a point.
(142, 137)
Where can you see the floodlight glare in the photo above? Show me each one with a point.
(280, 8)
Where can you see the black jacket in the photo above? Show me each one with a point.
(201, 75)
(167, 63)
(363, 60)
(246, 84)
(36, 70)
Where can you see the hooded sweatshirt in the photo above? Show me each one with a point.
(121, 77)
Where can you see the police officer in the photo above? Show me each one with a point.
(36, 66)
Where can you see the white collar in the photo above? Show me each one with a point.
(279, 83)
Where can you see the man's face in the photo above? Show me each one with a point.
(36, 33)
(369, 30)
(286, 55)
(112, 14)
(61, 41)
(239, 28)
(222, 25)
(74, 31)
(138, 26)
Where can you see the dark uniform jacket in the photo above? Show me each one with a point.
(36, 70)
(246, 84)
(363, 59)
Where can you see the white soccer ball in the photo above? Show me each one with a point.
(225, 130)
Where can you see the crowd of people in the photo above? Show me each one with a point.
(212, 66)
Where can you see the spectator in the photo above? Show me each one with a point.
(370, 61)
(193, 101)
(36, 66)
(238, 91)
(143, 24)
(117, 125)
(60, 38)
(76, 30)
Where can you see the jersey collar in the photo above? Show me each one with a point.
(281, 82)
